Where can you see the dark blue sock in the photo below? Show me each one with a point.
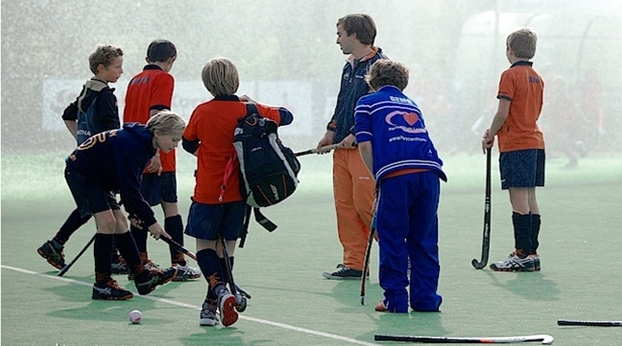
(174, 226)
(127, 247)
(73, 222)
(535, 232)
(103, 256)
(522, 233)
(211, 269)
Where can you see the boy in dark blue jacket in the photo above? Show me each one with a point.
(94, 110)
(114, 161)
(396, 148)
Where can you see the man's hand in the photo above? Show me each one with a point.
(349, 142)
(326, 140)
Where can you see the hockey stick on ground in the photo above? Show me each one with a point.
(486, 237)
(370, 242)
(589, 323)
(545, 339)
(324, 149)
(67, 266)
(179, 247)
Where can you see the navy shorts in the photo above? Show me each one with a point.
(208, 221)
(159, 188)
(522, 168)
(89, 196)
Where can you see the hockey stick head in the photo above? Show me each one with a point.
(477, 264)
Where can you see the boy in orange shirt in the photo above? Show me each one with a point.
(149, 92)
(521, 148)
(215, 211)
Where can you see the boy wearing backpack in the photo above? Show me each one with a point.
(218, 209)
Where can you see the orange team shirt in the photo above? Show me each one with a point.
(213, 124)
(521, 85)
(150, 89)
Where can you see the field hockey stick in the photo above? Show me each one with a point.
(70, 264)
(239, 297)
(589, 323)
(486, 237)
(370, 242)
(179, 247)
(545, 339)
(324, 149)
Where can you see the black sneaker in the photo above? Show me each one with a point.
(119, 266)
(52, 254)
(110, 291)
(344, 273)
(148, 280)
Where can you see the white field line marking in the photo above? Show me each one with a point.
(194, 307)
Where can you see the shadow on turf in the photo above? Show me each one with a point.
(220, 336)
(104, 310)
(532, 285)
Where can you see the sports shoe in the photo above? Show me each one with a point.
(110, 291)
(344, 273)
(209, 315)
(149, 266)
(54, 255)
(228, 312)
(514, 264)
(186, 272)
(380, 307)
(119, 267)
(536, 262)
(148, 280)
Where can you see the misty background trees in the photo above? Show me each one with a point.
(286, 53)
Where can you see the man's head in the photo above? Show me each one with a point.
(386, 72)
(162, 53)
(220, 77)
(106, 63)
(354, 30)
(522, 44)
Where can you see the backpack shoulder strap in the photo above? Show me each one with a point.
(251, 108)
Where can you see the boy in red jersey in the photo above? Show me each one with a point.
(521, 148)
(216, 212)
(149, 92)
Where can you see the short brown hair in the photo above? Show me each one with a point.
(523, 43)
(220, 77)
(387, 72)
(104, 55)
(360, 24)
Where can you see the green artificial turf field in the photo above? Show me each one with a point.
(291, 302)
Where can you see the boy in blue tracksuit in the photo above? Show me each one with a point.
(396, 148)
(114, 161)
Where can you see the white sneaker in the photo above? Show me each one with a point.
(514, 264)
(186, 272)
(209, 315)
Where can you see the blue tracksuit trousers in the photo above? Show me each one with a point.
(407, 226)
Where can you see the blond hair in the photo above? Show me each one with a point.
(386, 72)
(104, 55)
(220, 77)
(523, 43)
(166, 123)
